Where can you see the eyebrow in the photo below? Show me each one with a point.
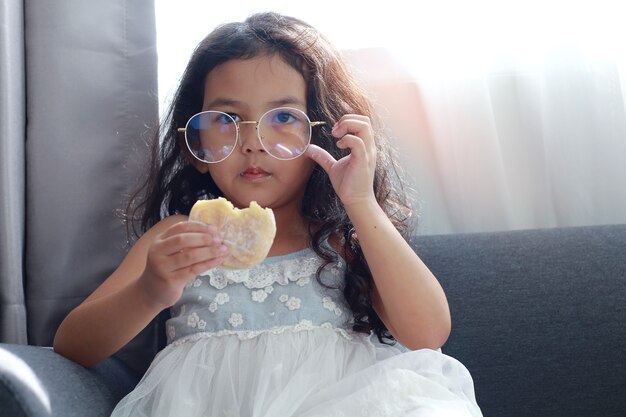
(287, 100)
(227, 102)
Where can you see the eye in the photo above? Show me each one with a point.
(283, 117)
(226, 118)
(235, 117)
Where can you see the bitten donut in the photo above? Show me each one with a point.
(248, 233)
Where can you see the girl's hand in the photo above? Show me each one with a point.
(352, 176)
(179, 254)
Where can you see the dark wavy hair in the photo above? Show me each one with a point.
(173, 185)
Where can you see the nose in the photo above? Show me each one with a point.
(249, 139)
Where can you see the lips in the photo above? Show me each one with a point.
(255, 173)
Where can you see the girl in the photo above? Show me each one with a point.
(267, 112)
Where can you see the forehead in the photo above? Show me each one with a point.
(254, 81)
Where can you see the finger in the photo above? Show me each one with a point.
(352, 142)
(357, 147)
(350, 129)
(185, 241)
(190, 226)
(352, 126)
(186, 258)
(200, 267)
(321, 156)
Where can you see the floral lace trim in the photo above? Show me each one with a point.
(304, 325)
(264, 275)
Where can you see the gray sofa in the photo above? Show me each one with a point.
(538, 318)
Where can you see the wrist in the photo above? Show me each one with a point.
(363, 209)
(150, 296)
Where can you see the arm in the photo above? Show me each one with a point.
(407, 296)
(150, 279)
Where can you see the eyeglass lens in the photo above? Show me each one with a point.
(284, 133)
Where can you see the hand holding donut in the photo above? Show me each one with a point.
(177, 255)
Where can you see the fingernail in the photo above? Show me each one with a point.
(223, 249)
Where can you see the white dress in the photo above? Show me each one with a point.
(271, 341)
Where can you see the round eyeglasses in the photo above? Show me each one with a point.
(284, 132)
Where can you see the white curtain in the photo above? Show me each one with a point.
(511, 149)
(507, 115)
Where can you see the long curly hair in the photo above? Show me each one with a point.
(172, 185)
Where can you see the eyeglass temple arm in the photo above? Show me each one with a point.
(253, 122)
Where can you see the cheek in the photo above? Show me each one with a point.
(303, 170)
(309, 167)
(219, 173)
(301, 165)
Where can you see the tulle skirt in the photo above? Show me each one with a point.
(304, 374)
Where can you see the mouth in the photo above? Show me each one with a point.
(255, 173)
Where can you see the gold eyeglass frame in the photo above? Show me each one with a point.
(183, 130)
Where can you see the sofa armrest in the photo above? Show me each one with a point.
(37, 382)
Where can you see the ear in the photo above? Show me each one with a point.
(200, 166)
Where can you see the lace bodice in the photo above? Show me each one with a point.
(280, 294)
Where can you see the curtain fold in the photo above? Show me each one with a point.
(522, 147)
(78, 99)
(91, 99)
(12, 174)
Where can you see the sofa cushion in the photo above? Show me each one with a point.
(538, 317)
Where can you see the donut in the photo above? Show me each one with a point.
(248, 233)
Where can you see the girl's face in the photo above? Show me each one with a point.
(247, 89)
